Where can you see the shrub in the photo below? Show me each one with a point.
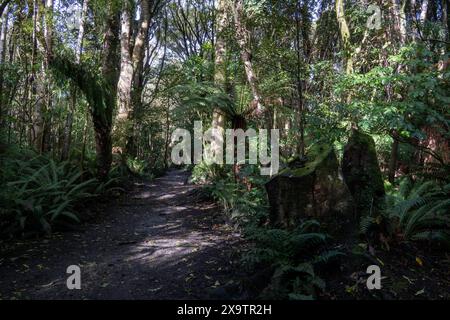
(38, 192)
(421, 210)
(293, 256)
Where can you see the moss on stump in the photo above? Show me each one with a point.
(362, 173)
(315, 189)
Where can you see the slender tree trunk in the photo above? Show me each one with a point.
(398, 7)
(242, 37)
(300, 109)
(394, 158)
(345, 35)
(445, 21)
(46, 144)
(70, 115)
(423, 11)
(400, 19)
(126, 65)
(138, 68)
(218, 119)
(84, 141)
(167, 142)
(3, 48)
(103, 120)
(3, 6)
(37, 84)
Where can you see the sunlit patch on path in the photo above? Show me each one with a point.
(158, 244)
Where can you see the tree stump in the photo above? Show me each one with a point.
(314, 189)
(362, 173)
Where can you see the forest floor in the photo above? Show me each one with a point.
(158, 242)
(163, 240)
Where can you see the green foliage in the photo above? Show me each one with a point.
(95, 88)
(206, 173)
(294, 256)
(38, 192)
(204, 97)
(137, 166)
(245, 204)
(421, 210)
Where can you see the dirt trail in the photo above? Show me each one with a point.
(157, 244)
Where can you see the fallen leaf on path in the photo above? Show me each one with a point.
(419, 261)
(420, 292)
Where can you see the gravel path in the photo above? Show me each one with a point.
(158, 243)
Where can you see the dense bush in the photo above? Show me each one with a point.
(244, 201)
(420, 210)
(38, 192)
(294, 257)
(291, 256)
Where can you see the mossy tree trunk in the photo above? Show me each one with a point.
(103, 120)
(345, 35)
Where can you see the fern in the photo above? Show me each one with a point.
(422, 210)
(294, 256)
(38, 192)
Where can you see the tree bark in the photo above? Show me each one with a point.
(3, 6)
(423, 11)
(398, 7)
(126, 65)
(3, 47)
(132, 57)
(445, 21)
(103, 121)
(242, 37)
(218, 118)
(300, 109)
(345, 35)
(394, 158)
(37, 84)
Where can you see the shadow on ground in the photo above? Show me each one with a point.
(158, 243)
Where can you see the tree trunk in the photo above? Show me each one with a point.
(394, 158)
(445, 21)
(300, 109)
(3, 6)
(345, 35)
(400, 18)
(37, 86)
(48, 94)
(242, 37)
(103, 121)
(423, 11)
(167, 142)
(3, 48)
(132, 57)
(218, 118)
(126, 65)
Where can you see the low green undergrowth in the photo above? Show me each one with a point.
(293, 257)
(420, 211)
(38, 193)
(417, 209)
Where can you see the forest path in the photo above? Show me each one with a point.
(160, 243)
